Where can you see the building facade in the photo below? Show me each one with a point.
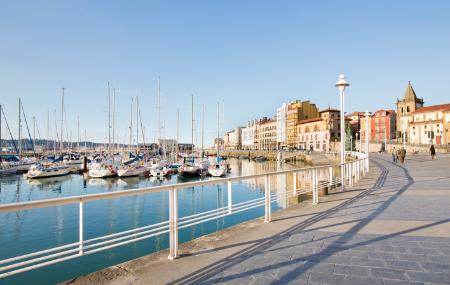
(232, 139)
(319, 134)
(248, 140)
(267, 134)
(405, 107)
(430, 125)
(383, 125)
(281, 126)
(298, 111)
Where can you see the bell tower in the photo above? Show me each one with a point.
(409, 104)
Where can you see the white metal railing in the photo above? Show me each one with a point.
(352, 171)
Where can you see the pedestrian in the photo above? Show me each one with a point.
(432, 151)
(402, 155)
(394, 155)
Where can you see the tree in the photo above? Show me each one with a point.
(349, 139)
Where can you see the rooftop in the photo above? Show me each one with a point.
(441, 107)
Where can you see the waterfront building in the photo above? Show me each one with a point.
(248, 135)
(298, 111)
(430, 125)
(355, 121)
(232, 139)
(267, 134)
(405, 107)
(363, 129)
(167, 145)
(320, 134)
(383, 124)
(281, 126)
(218, 143)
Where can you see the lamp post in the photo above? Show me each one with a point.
(341, 85)
(360, 141)
(385, 139)
(367, 115)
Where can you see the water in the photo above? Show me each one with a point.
(28, 231)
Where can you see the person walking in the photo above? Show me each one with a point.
(394, 155)
(432, 151)
(402, 155)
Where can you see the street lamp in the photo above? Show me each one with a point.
(367, 115)
(341, 85)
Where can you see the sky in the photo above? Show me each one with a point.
(250, 55)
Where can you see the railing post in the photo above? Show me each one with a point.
(295, 183)
(315, 187)
(330, 170)
(230, 201)
(268, 214)
(342, 177)
(350, 173)
(173, 223)
(81, 228)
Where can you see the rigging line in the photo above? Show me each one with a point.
(28, 129)
(10, 134)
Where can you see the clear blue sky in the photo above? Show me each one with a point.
(252, 54)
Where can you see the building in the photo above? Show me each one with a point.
(355, 121)
(267, 134)
(383, 125)
(232, 139)
(218, 143)
(318, 134)
(248, 139)
(405, 107)
(363, 130)
(166, 146)
(298, 111)
(281, 126)
(430, 125)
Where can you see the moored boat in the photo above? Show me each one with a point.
(40, 170)
(132, 170)
(102, 170)
(6, 169)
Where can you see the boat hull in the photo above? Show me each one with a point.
(102, 173)
(47, 173)
(131, 172)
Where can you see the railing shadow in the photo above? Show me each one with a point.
(220, 266)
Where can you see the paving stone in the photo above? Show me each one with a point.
(429, 277)
(326, 278)
(362, 280)
(413, 257)
(435, 267)
(387, 273)
(402, 264)
(400, 282)
(350, 270)
(359, 261)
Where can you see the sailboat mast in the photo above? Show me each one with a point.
(159, 110)
(109, 119)
(137, 125)
(78, 145)
(203, 127)
(20, 131)
(192, 123)
(34, 132)
(131, 124)
(218, 128)
(114, 121)
(48, 129)
(62, 122)
(178, 134)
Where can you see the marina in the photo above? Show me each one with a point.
(48, 227)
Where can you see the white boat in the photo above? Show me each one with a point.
(132, 170)
(7, 169)
(101, 170)
(218, 169)
(190, 168)
(73, 159)
(40, 170)
(161, 171)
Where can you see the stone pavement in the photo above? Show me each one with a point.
(393, 227)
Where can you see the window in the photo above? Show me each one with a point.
(407, 109)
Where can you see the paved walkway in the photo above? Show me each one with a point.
(391, 228)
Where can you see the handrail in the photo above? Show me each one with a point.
(350, 172)
(45, 203)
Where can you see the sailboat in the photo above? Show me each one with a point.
(220, 167)
(190, 167)
(40, 170)
(105, 168)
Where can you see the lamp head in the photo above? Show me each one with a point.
(342, 83)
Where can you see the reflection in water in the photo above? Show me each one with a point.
(25, 231)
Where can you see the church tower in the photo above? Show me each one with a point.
(409, 104)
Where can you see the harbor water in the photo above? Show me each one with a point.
(32, 230)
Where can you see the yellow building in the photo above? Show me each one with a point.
(267, 134)
(298, 111)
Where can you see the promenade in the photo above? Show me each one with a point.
(392, 227)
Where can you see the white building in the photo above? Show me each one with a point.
(430, 125)
(248, 133)
(281, 125)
